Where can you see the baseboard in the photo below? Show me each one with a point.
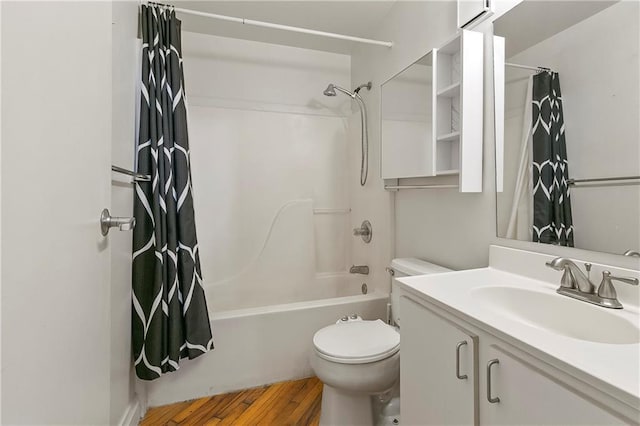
(132, 415)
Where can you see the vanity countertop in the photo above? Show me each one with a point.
(613, 368)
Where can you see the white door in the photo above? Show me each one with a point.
(527, 396)
(56, 133)
(433, 385)
(126, 72)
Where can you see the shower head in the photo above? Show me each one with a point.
(330, 90)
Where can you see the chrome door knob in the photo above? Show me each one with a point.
(107, 222)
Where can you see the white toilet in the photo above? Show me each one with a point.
(357, 359)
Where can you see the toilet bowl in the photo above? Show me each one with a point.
(354, 359)
(358, 359)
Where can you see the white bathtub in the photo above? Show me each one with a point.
(261, 345)
(279, 289)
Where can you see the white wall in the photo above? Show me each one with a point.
(443, 226)
(268, 154)
(126, 74)
(598, 64)
(56, 114)
(0, 219)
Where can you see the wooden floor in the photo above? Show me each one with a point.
(286, 403)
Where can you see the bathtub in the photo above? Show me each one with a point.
(260, 345)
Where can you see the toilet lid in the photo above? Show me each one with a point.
(356, 342)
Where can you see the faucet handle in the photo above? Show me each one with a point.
(365, 231)
(567, 280)
(606, 290)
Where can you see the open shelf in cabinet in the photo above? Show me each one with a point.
(448, 137)
(451, 91)
(458, 105)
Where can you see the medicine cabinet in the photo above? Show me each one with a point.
(431, 115)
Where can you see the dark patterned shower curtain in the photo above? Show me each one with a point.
(552, 221)
(170, 319)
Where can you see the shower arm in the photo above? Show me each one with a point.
(352, 95)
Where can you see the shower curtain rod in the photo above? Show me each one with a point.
(276, 26)
(603, 179)
(527, 67)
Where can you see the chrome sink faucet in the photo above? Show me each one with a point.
(574, 283)
(573, 276)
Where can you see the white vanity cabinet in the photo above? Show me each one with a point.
(523, 390)
(438, 374)
(529, 395)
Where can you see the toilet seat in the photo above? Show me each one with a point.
(356, 342)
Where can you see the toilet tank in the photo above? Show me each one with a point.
(408, 267)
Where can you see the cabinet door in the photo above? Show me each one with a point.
(431, 391)
(528, 396)
(471, 110)
(458, 109)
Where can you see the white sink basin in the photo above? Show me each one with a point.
(558, 314)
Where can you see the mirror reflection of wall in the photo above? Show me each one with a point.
(593, 48)
(406, 121)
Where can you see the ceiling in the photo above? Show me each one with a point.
(532, 21)
(355, 18)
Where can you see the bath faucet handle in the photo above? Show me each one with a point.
(365, 231)
(606, 290)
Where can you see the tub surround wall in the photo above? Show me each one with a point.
(262, 134)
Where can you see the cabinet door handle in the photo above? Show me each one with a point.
(489, 398)
(458, 346)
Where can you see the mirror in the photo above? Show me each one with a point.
(406, 103)
(569, 125)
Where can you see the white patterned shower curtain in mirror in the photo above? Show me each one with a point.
(585, 193)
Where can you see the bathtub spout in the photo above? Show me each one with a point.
(360, 269)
